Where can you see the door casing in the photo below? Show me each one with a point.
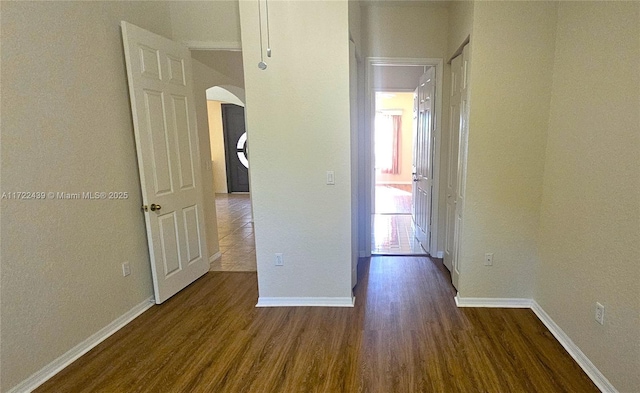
(457, 167)
(423, 146)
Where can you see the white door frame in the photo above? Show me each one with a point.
(369, 158)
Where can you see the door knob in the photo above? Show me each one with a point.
(155, 207)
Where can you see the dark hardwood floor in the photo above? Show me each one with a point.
(404, 335)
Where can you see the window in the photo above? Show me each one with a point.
(387, 142)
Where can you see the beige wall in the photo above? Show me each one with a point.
(511, 64)
(404, 31)
(206, 24)
(404, 102)
(396, 78)
(295, 212)
(225, 62)
(460, 24)
(216, 138)
(590, 218)
(66, 126)
(355, 24)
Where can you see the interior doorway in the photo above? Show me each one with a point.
(217, 98)
(403, 118)
(393, 229)
(234, 215)
(229, 162)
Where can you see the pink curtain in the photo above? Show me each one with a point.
(388, 133)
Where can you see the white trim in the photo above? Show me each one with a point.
(213, 45)
(492, 302)
(583, 361)
(215, 256)
(306, 301)
(51, 369)
(439, 254)
(435, 196)
(362, 254)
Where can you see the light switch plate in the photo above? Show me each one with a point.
(331, 178)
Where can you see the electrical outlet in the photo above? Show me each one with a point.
(126, 269)
(279, 259)
(599, 313)
(488, 259)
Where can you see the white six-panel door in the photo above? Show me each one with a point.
(457, 165)
(159, 74)
(452, 164)
(423, 158)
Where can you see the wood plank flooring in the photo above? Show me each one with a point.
(404, 335)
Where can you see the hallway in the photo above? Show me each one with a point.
(235, 233)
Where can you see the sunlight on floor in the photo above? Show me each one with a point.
(392, 199)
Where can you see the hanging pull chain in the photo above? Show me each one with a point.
(266, 2)
(262, 65)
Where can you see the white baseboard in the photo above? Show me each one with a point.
(215, 256)
(306, 301)
(51, 369)
(362, 254)
(439, 254)
(583, 361)
(492, 302)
